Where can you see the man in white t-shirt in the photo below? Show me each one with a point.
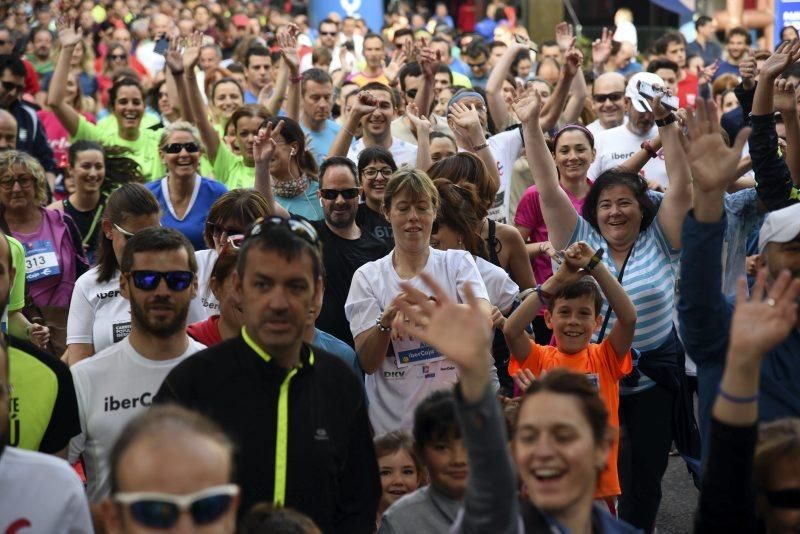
(40, 493)
(159, 279)
(374, 109)
(616, 145)
(608, 102)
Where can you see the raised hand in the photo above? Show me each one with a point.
(528, 106)
(712, 161)
(748, 70)
(465, 117)
(266, 142)
(364, 105)
(601, 48)
(706, 74)
(191, 50)
(68, 35)
(174, 56)
(420, 122)
(787, 53)
(659, 111)
(766, 318)
(785, 99)
(287, 40)
(564, 36)
(573, 60)
(429, 61)
(399, 58)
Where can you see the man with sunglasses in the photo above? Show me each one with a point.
(345, 247)
(296, 413)
(171, 469)
(608, 99)
(159, 279)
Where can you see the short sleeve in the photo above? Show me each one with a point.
(87, 131)
(528, 210)
(80, 320)
(585, 232)
(657, 233)
(17, 296)
(223, 164)
(466, 272)
(362, 307)
(532, 361)
(618, 367)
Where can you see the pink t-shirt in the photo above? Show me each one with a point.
(57, 135)
(529, 215)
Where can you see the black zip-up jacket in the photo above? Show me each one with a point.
(331, 469)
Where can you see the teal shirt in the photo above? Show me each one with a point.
(306, 205)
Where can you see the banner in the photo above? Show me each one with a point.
(369, 10)
(787, 13)
(681, 7)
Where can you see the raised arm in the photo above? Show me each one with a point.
(69, 37)
(263, 150)
(639, 159)
(429, 62)
(423, 128)
(786, 54)
(466, 124)
(494, 86)
(577, 99)
(191, 54)
(558, 100)
(786, 104)
(176, 79)
(289, 71)
(559, 213)
(601, 51)
(364, 105)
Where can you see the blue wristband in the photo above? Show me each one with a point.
(733, 398)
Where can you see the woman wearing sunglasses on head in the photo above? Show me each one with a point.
(185, 196)
(98, 315)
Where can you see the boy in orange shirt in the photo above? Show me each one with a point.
(574, 305)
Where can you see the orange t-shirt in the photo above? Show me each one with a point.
(601, 364)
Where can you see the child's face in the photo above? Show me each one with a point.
(399, 476)
(573, 322)
(446, 461)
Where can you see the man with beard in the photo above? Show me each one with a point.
(616, 145)
(296, 412)
(345, 247)
(316, 91)
(737, 48)
(159, 279)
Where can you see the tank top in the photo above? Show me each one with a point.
(88, 222)
(493, 244)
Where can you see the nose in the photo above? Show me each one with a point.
(15, 186)
(278, 300)
(458, 456)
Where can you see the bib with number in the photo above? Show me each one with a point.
(40, 260)
(412, 352)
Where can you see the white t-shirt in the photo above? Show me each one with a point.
(41, 493)
(205, 304)
(404, 154)
(502, 290)
(100, 315)
(615, 145)
(595, 127)
(395, 390)
(113, 387)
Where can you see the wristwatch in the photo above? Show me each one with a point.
(669, 119)
(595, 259)
(544, 296)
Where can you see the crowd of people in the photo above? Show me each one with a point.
(259, 276)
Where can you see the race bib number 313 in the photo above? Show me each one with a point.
(40, 260)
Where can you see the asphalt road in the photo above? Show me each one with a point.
(678, 501)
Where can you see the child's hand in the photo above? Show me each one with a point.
(498, 319)
(579, 254)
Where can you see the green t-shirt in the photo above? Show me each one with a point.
(230, 170)
(108, 124)
(16, 300)
(144, 150)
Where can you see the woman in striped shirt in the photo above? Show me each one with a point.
(642, 244)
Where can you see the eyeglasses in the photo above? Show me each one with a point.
(299, 227)
(333, 194)
(217, 230)
(330, 34)
(118, 57)
(126, 234)
(175, 148)
(614, 97)
(162, 510)
(474, 66)
(372, 172)
(11, 86)
(412, 93)
(149, 280)
(25, 181)
(786, 498)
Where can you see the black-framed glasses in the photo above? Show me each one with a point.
(372, 172)
(162, 510)
(299, 227)
(217, 230)
(333, 194)
(11, 86)
(175, 148)
(614, 97)
(149, 280)
(25, 181)
(3, 42)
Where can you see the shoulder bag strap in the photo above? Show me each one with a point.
(608, 310)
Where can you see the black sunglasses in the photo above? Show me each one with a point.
(118, 56)
(299, 227)
(600, 98)
(328, 33)
(11, 86)
(787, 498)
(175, 148)
(149, 280)
(412, 93)
(333, 194)
(217, 229)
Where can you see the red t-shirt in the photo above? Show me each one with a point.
(604, 368)
(206, 332)
(687, 91)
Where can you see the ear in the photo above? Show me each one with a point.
(594, 154)
(106, 226)
(214, 286)
(193, 288)
(548, 319)
(124, 288)
(598, 321)
(603, 447)
(110, 513)
(319, 291)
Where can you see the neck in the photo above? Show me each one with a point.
(374, 72)
(409, 263)
(287, 356)
(226, 329)
(84, 200)
(633, 130)
(310, 123)
(350, 232)
(372, 204)
(577, 519)
(700, 38)
(129, 134)
(253, 89)
(577, 186)
(19, 217)
(619, 251)
(180, 188)
(384, 140)
(158, 348)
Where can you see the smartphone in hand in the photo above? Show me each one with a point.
(161, 45)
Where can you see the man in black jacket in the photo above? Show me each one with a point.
(297, 414)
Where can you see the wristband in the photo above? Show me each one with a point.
(349, 132)
(525, 293)
(595, 259)
(544, 296)
(649, 148)
(669, 119)
(176, 72)
(296, 79)
(480, 147)
(735, 399)
(382, 329)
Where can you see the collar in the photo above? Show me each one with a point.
(265, 355)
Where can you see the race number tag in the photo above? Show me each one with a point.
(413, 352)
(40, 260)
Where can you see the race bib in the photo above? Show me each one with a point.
(412, 352)
(40, 260)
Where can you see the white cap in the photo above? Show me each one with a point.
(780, 226)
(632, 90)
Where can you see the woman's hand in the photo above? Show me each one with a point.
(287, 40)
(497, 317)
(528, 106)
(465, 117)
(573, 60)
(174, 56)
(68, 35)
(266, 142)
(601, 48)
(420, 122)
(39, 335)
(785, 99)
(565, 37)
(191, 51)
(706, 74)
(787, 53)
(391, 71)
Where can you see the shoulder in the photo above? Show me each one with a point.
(100, 362)
(29, 465)
(88, 279)
(21, 348)
(374, 267)
(413, 503)
(16, 246)
(213, 186)
(206, 364)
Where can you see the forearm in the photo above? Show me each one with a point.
(773, 179)
(678, 197)
(424, 161)
(638, 160)
(341, 144)
(207, 132)
(18, 325)
(178, 83)
(763, 101)
(577, 99)
(275, 101)
(740, 379)
(617, 297)
(494, 85)
(790, 120)
(372, 351)
(424, 98)
(555, 104)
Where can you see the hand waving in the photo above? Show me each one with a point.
(787, 53)
(564, 36)
(420, 122)
(601, 48)
(68, 35)
(287, 40)
(528, 106)
(266, 142)
(573, 60)
(174, 56)
(191, 50)
(785, 98)
(465, 117)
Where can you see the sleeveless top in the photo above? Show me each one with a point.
(88, 223)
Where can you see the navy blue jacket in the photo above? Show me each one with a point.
(31, 137)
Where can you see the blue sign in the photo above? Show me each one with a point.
(787, 13)
(369, 10)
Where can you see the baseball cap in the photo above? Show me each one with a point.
(632, 91)
(240, 20)
(780, 226)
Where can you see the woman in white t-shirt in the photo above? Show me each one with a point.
(98, 314)
(402, 372)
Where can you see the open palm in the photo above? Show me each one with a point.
(786, 54)
(528, 106)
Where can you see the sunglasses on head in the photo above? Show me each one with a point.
(162, 510)
(123, 231)
(175, 148)
(614, 97)
(299, 227)
(787, 498)
(333, 194)
(235, 242)
(149, 280)
(11, 86)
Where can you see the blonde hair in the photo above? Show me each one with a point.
(414, 180)
(11, 158)
(180, 126)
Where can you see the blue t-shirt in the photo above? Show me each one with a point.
(250, 98)
(306, 204)
(338, 348)
(193, 223)
(322, 140)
